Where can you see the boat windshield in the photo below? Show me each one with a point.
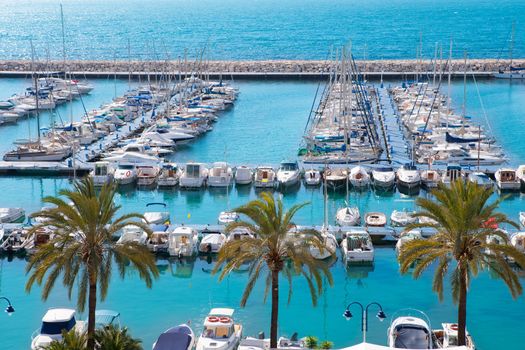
(220, 332)
(357, 242)
(411, 337)
(193, 170)
(288, 166)
(57, 327)
(384, 169)
(126, 167)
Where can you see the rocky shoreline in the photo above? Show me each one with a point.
(271, 66)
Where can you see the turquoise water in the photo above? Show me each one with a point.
(265, 126)
(264, 29)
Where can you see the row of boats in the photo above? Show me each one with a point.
(410, 329)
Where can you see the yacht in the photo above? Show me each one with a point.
(169, 175)
(125, 174)
(312, 177)
(357, 247)
(408, 332)
(348, 216)
(12, 215)
(453, 173)
(384, 177)
(220, 175)
(102, 174)
(408, 176)
(430, 178)
(147, 175)
(375, 219)
(156, 217)
(288, 174)
(133, 234)
(220, 331)
(37, 152)
(359, 177)
(507, 180)
(243, 175)
(401, 218)
(407, 237)
(481, 179)
(53, 323)
(176, 338)
(227, 217)
(158, 241)
(183, 242)
(330, 246)
(194, 175)
(265, 177)
(212, 242)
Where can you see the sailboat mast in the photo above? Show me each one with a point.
(63, 39)
(35, 79)
(465, 85)
(449, 92)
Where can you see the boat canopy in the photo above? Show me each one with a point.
(222, 312)
(368, 346)
(174, 338)
(106, 317)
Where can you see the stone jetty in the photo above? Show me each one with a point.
(238, 68)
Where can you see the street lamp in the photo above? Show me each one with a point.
(364, 315)
(9, 309)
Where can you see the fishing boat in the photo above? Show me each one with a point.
(480, 179)
(375, 219)
(357, 247)
(401, 218)
(506, 180)
(265, 177)
(133, 234)
(12, 215)
(288, 174)
(408, 176)
(194, 175)
(156, 217)
(335, 178)
(348, 216)
(147, 175)
(409, 332)
(243, 175)
(102, 174)
(220, 331)
(430, 178)
(220, 175)
(169, 175)
(405, 237)
(176, 338)
(183, 242)
(226, 217)
(125, 174)
(359, 177)
(384, 177)
(54, 322)
(312, 177)
(211, 242)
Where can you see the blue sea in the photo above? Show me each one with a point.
(265, 126)
(260, 29)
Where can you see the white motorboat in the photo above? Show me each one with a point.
(239, 233)
(401, 218)
(348, 216)
(243, 175)
(407, 237)
(176, 338)
(359, 177)
(158, 241)
(357, 247)
(330, 246)
(522, 218)
(517, 240)
(133, 234)
(156, 217)
(265, 177)
(430, 178)
(147, 175)
(288, 174)
(447, 338)
(169, 175)
(220, 175)
(408, 176)
(375, 219)
(125, 174)
(408, 332)
(335, 178)
(481, 179)
(312, 177)
(220, 331)
(102, 174)
(194, 175)
(507, 180)
(226, 217)
(53, 323)
(212, 242)
(384, 177)
(453, 173)
(183, 242)
(12, 215)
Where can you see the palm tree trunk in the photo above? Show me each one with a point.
(92, 306)
(275, 309)
(462, 308)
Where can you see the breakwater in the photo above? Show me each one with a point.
(292, 68)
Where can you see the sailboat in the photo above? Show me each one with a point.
(511, 72)
(329, 240)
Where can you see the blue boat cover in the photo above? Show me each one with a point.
(176, 338)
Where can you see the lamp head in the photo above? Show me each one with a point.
(347, 314)
(10, 309)
(381, 315)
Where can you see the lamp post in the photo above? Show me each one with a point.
(9, 309)
(364, 315)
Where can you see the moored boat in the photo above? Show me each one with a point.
(265, 177)
(348, 216)
(183, 242)
(359, 177)
(312, 177)
(220, 331)
(243, 175)
(408, 176)
(375, 219)
(506, 179)
(357, 247)
(384, 177)
(176, 338)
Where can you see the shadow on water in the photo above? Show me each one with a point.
(193, 197)
(179, 268)
(243, 190)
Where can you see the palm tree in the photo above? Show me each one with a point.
(71, 340)
(460, 214)
(271, 247)
(82, 250)
(113, 338)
